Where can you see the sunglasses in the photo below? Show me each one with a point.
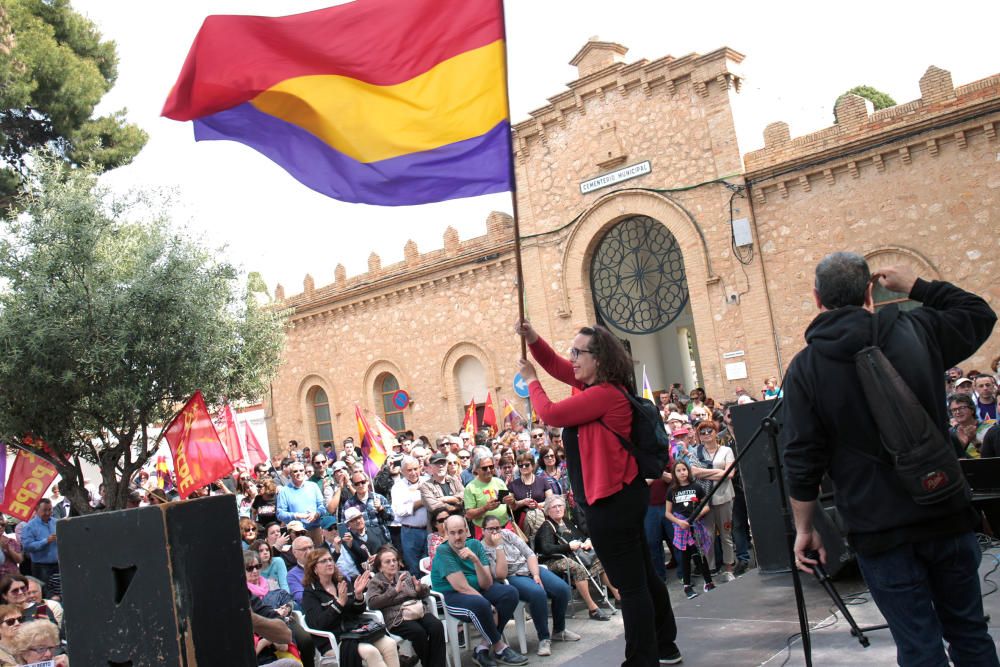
(486, 467)
(11, 622)
(18, 591)
(360, 482)
(249, 530)
(251, 568)
(706, 431)
(549, 456)
(526, 465)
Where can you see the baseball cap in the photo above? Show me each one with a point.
(963, 381)
(339, 465)
(329, 522)
(676, 416)
(681, 430)
(351, 513)
(296, 527)
(439, 458)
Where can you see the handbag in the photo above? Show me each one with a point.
(412, 610)
(585, 557)
(366, 631)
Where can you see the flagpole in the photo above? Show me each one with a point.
(518, 269)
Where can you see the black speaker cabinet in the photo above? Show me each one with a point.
(759, 473)
(156, 586)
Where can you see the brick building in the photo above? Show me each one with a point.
(638, 210)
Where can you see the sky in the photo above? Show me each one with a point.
(799, 57)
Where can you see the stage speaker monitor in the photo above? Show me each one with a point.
(759, 475)
(156, 586)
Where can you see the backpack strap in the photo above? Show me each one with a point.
(625, 442)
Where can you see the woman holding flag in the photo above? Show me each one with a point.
(606, 480)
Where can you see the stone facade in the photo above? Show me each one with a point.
(916, 183)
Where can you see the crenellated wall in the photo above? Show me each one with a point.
(917, 183)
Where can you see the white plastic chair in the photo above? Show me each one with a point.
(451, 630)
(329, 636)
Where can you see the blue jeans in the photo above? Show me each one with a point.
(929, 590)
(658, 528)
(478, 609)
(553, 586)
(414, 548)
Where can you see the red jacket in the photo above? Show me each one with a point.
(607, 467)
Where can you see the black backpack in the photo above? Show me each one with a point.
(648, 442)
(920, 453)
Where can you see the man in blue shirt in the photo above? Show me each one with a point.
(301, 501)
(461, 573)
(39, 542)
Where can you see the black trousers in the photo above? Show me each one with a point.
(427, 637)
(616, 530)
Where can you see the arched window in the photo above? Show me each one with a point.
(883, 297)
(321, 413)
(393, 416)
(470, 377)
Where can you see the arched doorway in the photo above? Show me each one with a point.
(640, 291)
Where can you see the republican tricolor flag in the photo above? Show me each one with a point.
(384, 102)
(373, 451)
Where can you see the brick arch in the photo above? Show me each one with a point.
(374, 372)
(307, 422)
(890, 255)
(449, 387)
(701, 277)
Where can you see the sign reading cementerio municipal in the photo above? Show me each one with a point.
(616, 176)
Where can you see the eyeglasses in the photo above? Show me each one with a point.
(525, 465)
(465, 458)
(705, 431)
(251, 568)
(575, 353)
(537, 435)
(319, 462)
(11, 622)
(550, 455)
(325, 561)
(960, 408)
(360, 482)
(42, 649)
(18, 591)
(486, 467)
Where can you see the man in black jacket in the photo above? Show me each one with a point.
(919, 561)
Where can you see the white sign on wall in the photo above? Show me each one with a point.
(616, 176)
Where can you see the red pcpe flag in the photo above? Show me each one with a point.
(489, 416)
(29, 478)
(254, 450)
(199, 457)
(229, 436)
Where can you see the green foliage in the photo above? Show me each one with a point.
(878, 99)
(109, 320)
(54, 69)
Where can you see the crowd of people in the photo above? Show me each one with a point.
(483, 520)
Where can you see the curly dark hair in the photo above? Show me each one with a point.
(614, 363)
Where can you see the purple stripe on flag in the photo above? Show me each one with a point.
(3, 469)
(468, 168)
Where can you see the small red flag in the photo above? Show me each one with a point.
(254, 450)
(489, 416)
(469, 422)
(229, 436)
(30, 476)
(199, 457)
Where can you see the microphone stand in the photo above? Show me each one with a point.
(770, 425)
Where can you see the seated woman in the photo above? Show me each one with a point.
(529, 491)
(436, 534)
(557, 542)
(38, 641)
(513, 560)
(280, 543)
(271, 568)
(331, 605)
(270, 595)
(399, 596)
(10, 621)
(14, 591)
(248, 531)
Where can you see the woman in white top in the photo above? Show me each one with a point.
(714, 460)
(513, 560)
